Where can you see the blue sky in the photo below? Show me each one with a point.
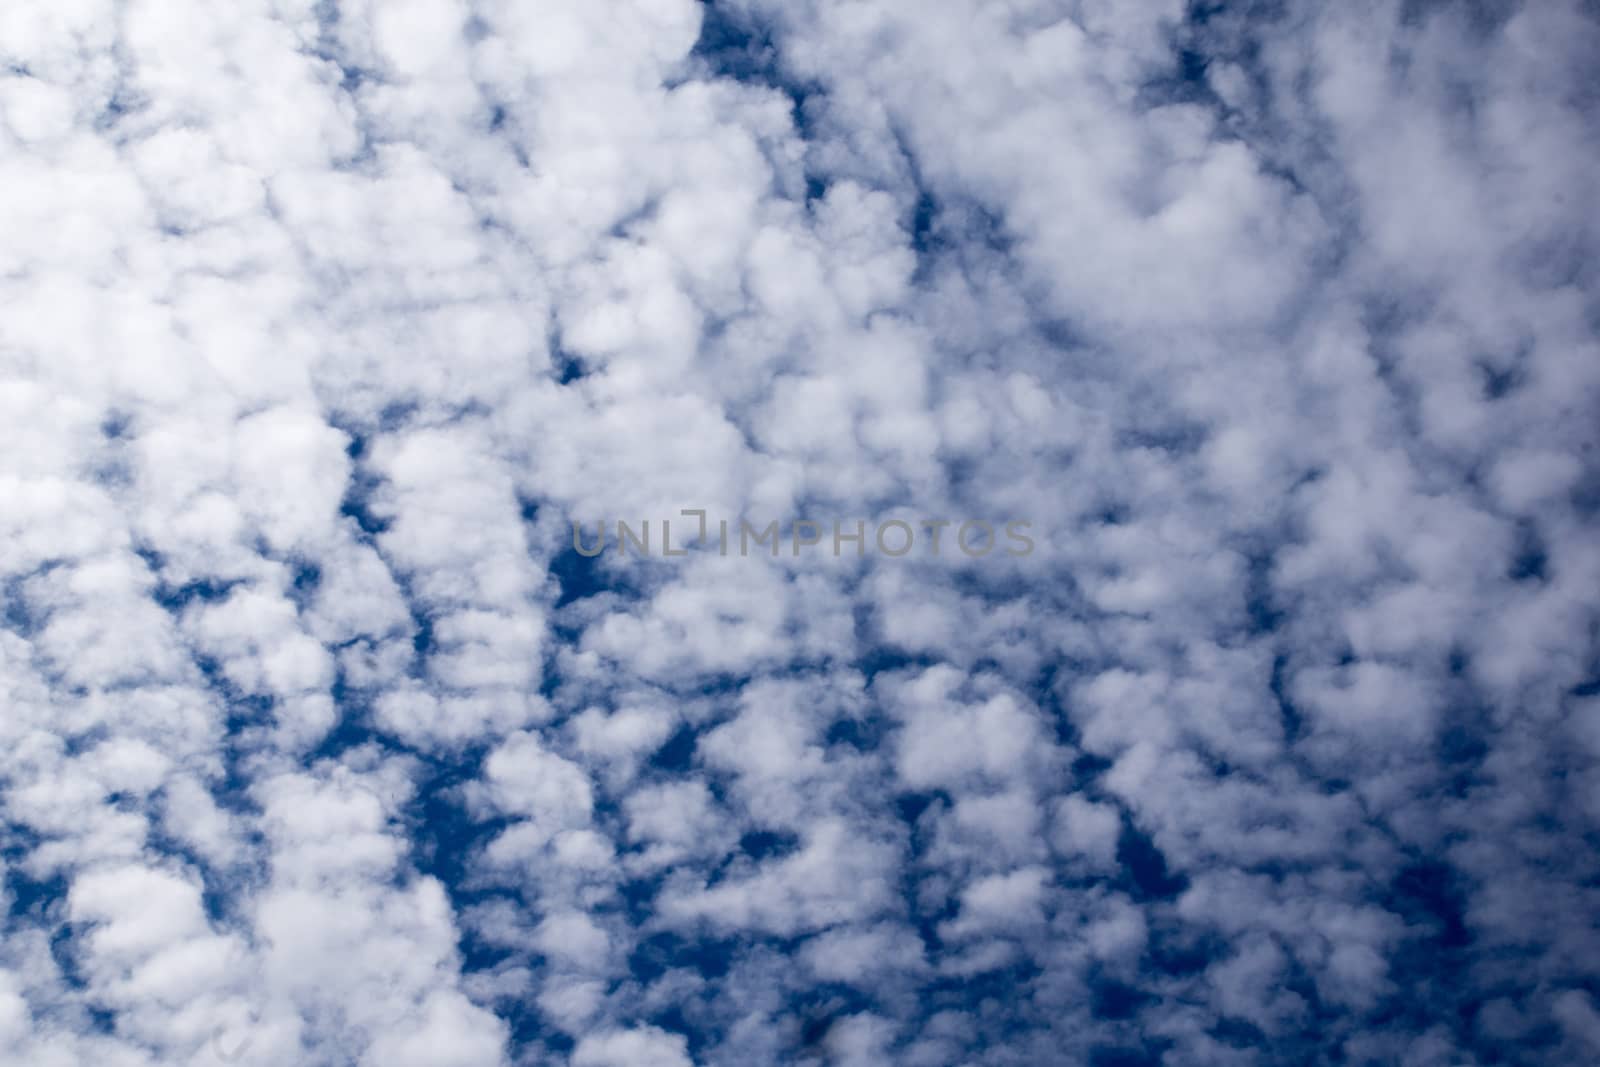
(322, 324)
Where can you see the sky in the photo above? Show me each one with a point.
(1273, 326)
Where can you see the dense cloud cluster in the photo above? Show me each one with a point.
(321, 323)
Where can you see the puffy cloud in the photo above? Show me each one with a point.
(632, 1048)
(321, 323)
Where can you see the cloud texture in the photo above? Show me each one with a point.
(322, 323)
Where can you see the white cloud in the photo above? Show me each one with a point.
(320, 323)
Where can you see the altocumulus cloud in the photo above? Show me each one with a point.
(321, 323)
